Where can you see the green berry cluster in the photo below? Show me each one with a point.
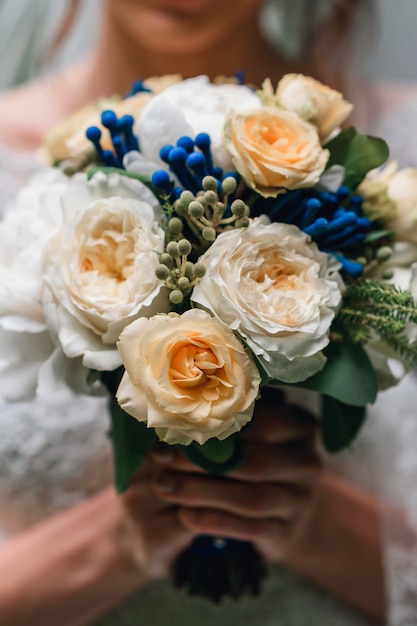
(178, 273)
(205, 212)
(374, 256)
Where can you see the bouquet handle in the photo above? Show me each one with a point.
(214, 568)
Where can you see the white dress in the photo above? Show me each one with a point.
(54, 453)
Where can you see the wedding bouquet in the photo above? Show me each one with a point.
(194, 242)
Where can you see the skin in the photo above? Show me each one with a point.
(75, 566)
(260, 500)
(280, 498)
(206, 36)
(138, 39)
(284, 501)
(142, 38)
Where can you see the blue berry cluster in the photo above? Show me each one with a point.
(335, 221)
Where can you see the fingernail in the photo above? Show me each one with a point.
(166, 482)
(162, 453)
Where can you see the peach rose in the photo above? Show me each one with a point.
(187, 376)
(314, 102)
(274, 150)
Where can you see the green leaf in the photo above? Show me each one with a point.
(374, 235)
(340, 423)
(146, 180)
(357, 153)
(131, 442)
(348, 375)
(339, 146)
(215, 456)
(364, 154)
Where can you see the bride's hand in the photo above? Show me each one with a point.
(261, 501)
(154, 535)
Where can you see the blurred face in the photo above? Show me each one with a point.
(181, 26)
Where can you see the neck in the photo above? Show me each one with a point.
(120, 59)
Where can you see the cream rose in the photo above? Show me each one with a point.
(274, 287)
(376, 204)
(274, 150)
(187, 376)
(390, 194)
(100, 266)
(67, 139)
(402, 190)
(314, 102)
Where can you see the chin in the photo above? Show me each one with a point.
(180, 27)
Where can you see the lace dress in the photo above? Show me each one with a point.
(396, 415)
(54, 453)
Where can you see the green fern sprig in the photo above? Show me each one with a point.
(379, 293)
(403, 347)
(371, 307)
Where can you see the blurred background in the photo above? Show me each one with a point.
(394, 53)
(28, 30)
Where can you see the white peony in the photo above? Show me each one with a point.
(274, 287)
(25, 342)
(187, 108)
(100, 266)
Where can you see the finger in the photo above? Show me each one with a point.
(140, 500)
(278, 464)
(157, 541)
(146, 469)
(262, 463)
(252, 500)
(270, 536)
(165, 530)
(283, 424)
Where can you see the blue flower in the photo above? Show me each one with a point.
(335, 221)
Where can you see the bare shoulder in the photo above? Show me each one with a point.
(376, 101)
(28, 112)
(394, 95)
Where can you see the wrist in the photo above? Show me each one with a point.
(338, 545)
(119, 549)
(72, 568)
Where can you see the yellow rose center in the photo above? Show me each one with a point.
(282, 276)
(191, 363)
(195, 369)
(109, 253)
(273, 133)
(278, 285)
